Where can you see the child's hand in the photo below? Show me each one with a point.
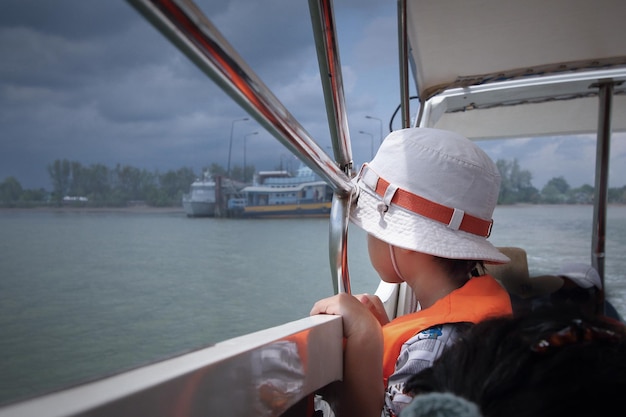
(375, 306)
(357, 317)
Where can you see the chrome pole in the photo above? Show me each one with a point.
(324, 32)
(605, 95)
(403, 48)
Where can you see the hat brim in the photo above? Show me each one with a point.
(405, 229)
(583, 275)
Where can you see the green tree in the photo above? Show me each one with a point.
(236, 173)
(97, 184)
(516, 186)
(59, 172)
(148, 184)
(34, 195)
(555, 191)
(79, 180)
(158, 198)
(216, 169)
(581, 195)
(560, 184)
(127, 183)
(10, 191)
(174, 184)
(248, 173)
(617, 195)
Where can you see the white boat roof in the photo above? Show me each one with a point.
(272, 174)
(203, 183)
(463, 43)
(290, 188)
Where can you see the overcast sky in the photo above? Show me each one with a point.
(92, 81)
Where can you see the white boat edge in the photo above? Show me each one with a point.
(235, 372)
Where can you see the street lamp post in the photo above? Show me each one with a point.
(381, 126)
(245, 137)
(230, 145)
(371, 143)
(286, 165)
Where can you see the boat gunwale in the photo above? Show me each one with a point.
(179, 385)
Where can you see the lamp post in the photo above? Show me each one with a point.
(230, 145)
(381, 126)
(286, 165)
(245, 137)
(371, 143)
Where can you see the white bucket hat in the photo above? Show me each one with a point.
(430, 191)
(584, 275)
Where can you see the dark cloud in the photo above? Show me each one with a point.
(93, 81)
(67, 19)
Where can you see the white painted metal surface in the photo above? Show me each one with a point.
(488, 55)
(262, 374)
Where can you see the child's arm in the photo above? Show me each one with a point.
(362, 390)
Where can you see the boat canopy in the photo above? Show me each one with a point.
(459, 46)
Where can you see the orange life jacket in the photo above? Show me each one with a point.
(480, 298)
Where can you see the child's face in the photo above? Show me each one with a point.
(380, 257)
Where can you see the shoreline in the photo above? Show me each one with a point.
(65, 209)
(175, 209)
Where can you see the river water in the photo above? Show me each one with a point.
(89, 293)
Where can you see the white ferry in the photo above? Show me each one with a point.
(200, 201)
(276, 194)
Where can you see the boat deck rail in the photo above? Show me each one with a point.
(272, 372)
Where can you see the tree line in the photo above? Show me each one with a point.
(100, 186)
(516, 187)
(97, 185)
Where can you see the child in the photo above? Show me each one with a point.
(426, 202)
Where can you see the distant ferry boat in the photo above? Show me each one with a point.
(200, 201)
(278, 194)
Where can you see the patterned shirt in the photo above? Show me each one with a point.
(417, 353)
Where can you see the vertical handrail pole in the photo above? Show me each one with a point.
(605, 95)
(403, 49)
(325, 35)
(338, 243)
(324, 32)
